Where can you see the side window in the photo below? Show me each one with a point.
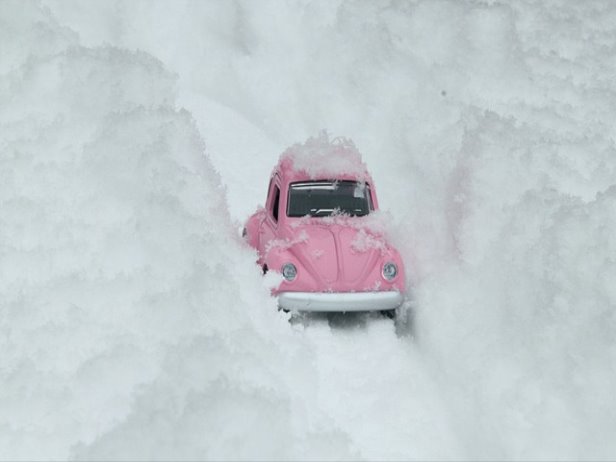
(370, 197)
(269, 188)
(276, 203)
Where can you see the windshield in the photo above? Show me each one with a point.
(323, 198)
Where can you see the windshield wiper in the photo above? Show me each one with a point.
(320, 212)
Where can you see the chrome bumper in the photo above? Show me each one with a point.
(339, 301)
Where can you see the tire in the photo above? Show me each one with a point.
(390, 314)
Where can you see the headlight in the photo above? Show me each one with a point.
(390, 270)
(289, 271)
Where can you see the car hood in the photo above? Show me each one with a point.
(336, 255)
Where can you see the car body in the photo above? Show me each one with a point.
(317, 229)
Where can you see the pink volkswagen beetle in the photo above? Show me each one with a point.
(320, 230)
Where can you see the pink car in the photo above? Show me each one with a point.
(319, 229)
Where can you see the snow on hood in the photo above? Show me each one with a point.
(377, 222)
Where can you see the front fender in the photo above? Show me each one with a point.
(392, 255)
(277, 257)
(252, 227)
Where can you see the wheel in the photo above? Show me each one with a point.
(390, 314)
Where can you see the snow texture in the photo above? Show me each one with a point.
(365, 241)
(136, 135)
(322, 158)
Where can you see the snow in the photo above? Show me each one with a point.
(284, 244)
(323, 158)
(364, 241)
(135, 136)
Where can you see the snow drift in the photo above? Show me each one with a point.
(124, 299)
(134, 325)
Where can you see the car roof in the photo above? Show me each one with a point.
(321, 159)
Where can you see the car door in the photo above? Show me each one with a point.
(269, 226)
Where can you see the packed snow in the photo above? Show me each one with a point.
(135, 138)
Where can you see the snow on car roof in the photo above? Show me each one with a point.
(320, 158)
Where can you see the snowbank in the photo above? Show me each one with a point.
(519, 324)
(134, 325)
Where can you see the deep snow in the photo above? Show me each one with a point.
(136, 136)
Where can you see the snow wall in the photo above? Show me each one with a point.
(134, 324)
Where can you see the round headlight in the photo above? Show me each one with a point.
(289, 271)
(390, 270)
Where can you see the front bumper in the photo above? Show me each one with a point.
(340, 301)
